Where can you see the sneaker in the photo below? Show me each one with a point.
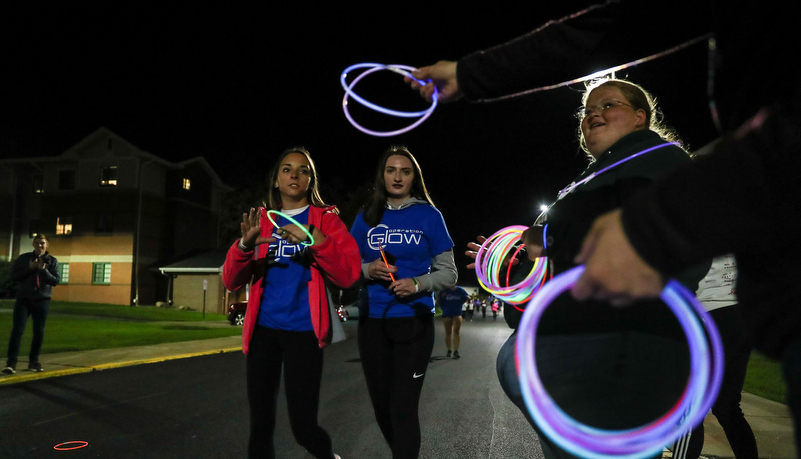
(448, 354)
(337, 456)
(9, 370)
(456, 354)
(35, 366)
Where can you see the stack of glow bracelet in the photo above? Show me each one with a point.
(489, 263)
(706, 372)
(401, 69)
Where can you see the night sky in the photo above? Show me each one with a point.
(237, 85)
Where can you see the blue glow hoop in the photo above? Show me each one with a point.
(404, 70)
(703, 385)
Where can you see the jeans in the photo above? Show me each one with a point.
(37, 308)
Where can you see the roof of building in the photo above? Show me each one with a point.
(210, 261)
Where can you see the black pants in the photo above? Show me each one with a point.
(302, 361)
(37, 309)
(737, 351)
(395, 355)
(611, 381)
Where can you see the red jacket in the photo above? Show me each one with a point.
(337, 259)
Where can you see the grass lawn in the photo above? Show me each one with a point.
(85, 326)
(764, 378)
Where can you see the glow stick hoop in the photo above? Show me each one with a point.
(292, 220)
(489, 263)
(703, 384)
(400, 69)
(78, 444)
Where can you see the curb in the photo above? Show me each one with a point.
(6, 381)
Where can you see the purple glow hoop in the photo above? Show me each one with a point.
(489, 262)
(703, 384)
(404, 70)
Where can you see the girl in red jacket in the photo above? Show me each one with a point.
(289, 318)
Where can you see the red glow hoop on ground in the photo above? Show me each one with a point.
(80, 444)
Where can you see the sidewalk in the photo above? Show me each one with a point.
(769, 420)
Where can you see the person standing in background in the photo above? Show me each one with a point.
(36, 273)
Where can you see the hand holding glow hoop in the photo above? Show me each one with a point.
(307, 242)
(400, 69)
(490, 260)
(706, 373)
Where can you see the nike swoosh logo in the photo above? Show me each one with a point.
(415, 376)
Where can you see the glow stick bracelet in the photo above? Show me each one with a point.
(400, 69)
(703, 384)
(292, 220)
(489, 262)
(381, 249)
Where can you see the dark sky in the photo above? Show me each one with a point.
(237, 85)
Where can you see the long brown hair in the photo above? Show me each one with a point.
(374, 210)
(273, 199)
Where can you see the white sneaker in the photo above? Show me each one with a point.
(9, 370)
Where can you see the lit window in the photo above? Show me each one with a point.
(64, 272)
(108, 176)
(186, 184)
(63, 225)
(101, 273)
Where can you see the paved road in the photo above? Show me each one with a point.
(196, 408)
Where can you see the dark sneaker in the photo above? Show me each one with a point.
(456, 355)
(9, 370)
(35, 366)
(448, 354)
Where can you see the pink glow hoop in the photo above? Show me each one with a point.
(404, 70)
(703, 384)
(489, 264)
(78, 445)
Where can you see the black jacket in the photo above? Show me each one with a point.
(34, 283)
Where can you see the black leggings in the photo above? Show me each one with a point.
(395, 354)
(736, 351)
(302, 361)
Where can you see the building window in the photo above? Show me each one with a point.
(66, 180)
(108, 176)
(101, 273)
(187, 184)
(63, 225)
(38, 183)
(105, 224)
(64, 272)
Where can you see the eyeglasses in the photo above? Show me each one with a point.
(588, 110)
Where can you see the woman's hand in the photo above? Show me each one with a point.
(532, 238)
(294, 235)
(403, 287)
(473, 251)
(378, 270)
(251, 230)
(442, 75)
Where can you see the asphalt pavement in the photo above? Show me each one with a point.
(770, 421)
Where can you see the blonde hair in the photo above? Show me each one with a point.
(640, 99)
